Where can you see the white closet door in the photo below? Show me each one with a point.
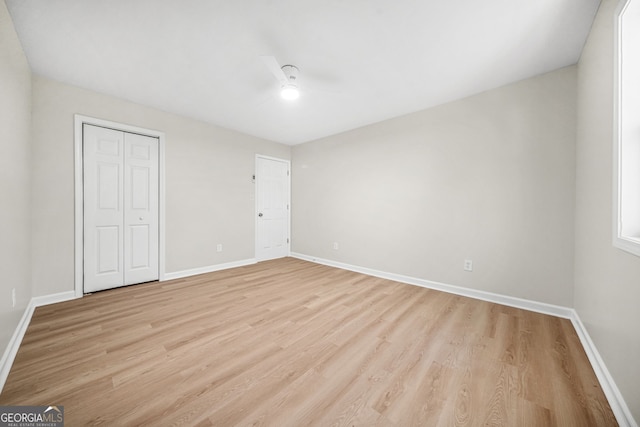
(103, 163)
(120, 174)
(140, 209)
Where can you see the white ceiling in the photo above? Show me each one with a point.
(360, 61)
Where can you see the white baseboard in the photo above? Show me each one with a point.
(611, 391)
(208, 269)
(53, 298)
(16, 339)
(14, 344)
(539, 307)
(616, 401)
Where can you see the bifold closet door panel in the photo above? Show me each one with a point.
(140, 209)
(103, 171)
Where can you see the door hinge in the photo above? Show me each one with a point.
(287, 240)
(287, 173)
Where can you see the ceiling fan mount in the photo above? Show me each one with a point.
(287, 75)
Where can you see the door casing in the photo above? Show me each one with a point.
(79, 120)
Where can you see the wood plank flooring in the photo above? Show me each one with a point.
(292, 343)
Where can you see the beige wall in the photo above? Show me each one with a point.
(489, 178)
(209, 191)
(15, 124)
(607, 280)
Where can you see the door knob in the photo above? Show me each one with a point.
(260, 214)
(141, 218)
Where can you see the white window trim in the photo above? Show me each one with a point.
(626, 243)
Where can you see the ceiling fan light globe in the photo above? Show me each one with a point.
(289, 92)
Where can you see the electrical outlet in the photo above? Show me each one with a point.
(468, 265)
(219, 247)
(13, 296)
(336, 246)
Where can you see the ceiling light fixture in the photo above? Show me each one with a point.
(289, 89)
(287, 75)
(289, 92)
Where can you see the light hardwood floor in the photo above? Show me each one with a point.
(291, 343)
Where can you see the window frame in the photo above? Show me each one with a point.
(621, 240)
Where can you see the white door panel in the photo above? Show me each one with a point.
(121, 234)
(107, 256)
(103, 213)
(272, 202)
(141, 208)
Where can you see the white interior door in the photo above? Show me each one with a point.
(272, 203)
(120, 185)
